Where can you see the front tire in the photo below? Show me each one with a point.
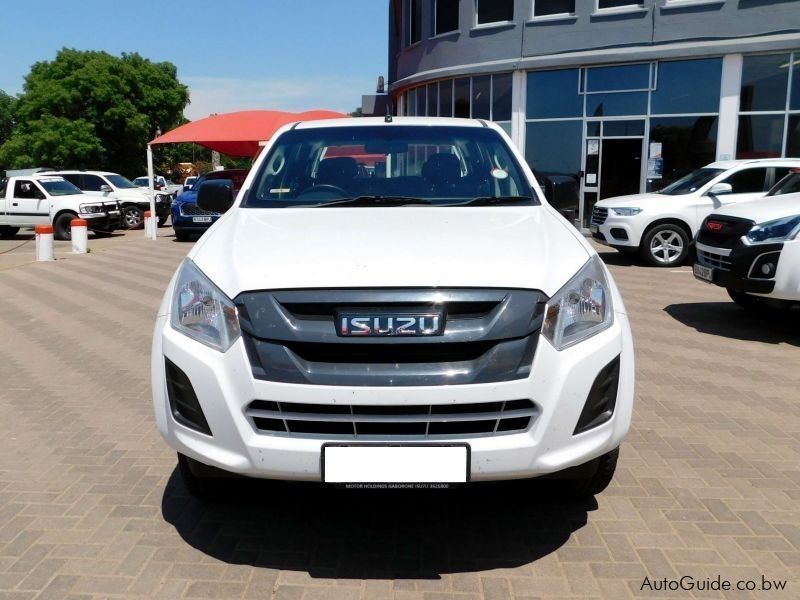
(596, 482)
(132, 217)
(746, 301)
(201, 481)
(7, 232)
(62, 226)
(162, 221)
(182, 236)
(665, 245)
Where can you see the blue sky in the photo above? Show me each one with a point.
(240, 54)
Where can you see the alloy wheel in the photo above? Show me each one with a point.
(666, 246)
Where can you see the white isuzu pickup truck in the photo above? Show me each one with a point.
(392, 302)
(47, 199)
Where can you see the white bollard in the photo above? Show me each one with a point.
(80, 236)
(44, 242)
(149, 223)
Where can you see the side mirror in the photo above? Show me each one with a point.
(719, 189)
(215, 195)
(106, 189)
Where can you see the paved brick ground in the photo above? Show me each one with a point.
(91, 507)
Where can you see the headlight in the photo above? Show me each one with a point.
(581, 309)
(626, 212)
(90, 209)
(779, 230)
(201, 311)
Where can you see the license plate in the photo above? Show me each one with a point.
(704, 273)
(201, 219)
(398, 464)
(594, 229)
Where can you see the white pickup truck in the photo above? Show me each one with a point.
(47, 199)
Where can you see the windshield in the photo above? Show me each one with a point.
(404, 164)
(788, 185)
(691, 182)
(55, 186)
(141, 182)
(120, 182)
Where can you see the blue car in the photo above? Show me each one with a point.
(188, 219)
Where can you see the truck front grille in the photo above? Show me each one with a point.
(490, 335)
(425, 421)
(192, 210)
(712, 259)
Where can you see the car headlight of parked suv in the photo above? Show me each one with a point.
(201, 311)
(626, 211)
(581, 309)
(779, 230)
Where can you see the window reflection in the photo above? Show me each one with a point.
(687, 86)
(501, 97)
(461, 98)
(481, 97)
(760, 136)
(617, 104)
(687, 143)
(554, 94)
(764, 81)
(793, 137)
(618, 78)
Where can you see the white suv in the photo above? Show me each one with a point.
(392, 302)
(752, 248)
(661, 225)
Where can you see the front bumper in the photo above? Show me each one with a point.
(738, 268)
(616, 231)
(104, 222)
(559, 384)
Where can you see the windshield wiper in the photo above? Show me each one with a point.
(373, 201)
(493, 201)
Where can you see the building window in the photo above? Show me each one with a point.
(482, 97)
(549, 8)
(414, 21)
(764, 82)
(501, 97)
(461, 103)
(687, 86)
(446, 98)
(446, 16)
(770, 84)
(495, 11)
(604, 4)
(618, 78)
(554, 94)
(760, 136)
(433, 100)
(688, 143)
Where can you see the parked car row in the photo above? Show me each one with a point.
(742, 218)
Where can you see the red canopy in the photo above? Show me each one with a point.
(239, 133)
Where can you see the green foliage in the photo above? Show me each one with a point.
(6, 115)
(52, 142)
(120, 101)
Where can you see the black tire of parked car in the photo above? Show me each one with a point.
(201, 481)
(598, 481)
(132, 217)
(182, 236)
(162, 221)
(62, 226)
(102, 234)
(662, 233)
(8, 232)
(746, 301)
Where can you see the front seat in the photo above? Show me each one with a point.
(339, 171)
(442, 172)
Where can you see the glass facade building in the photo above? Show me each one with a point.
(626, 119)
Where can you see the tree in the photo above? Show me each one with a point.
(120, 101)
(6, 116)
(53, 142)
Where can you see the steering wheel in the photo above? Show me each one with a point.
(324, 187)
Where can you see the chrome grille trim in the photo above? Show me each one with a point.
(714, 259)
(599, 215)
(299, 420)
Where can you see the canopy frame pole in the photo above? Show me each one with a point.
(152, 191)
